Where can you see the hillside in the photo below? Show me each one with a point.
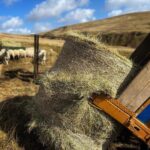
(125, 30)
(27, 40)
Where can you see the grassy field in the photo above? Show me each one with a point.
(28, 40)
(16, 89)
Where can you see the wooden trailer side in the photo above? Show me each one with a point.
(138, 90)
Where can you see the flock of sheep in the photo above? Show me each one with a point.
(7, 54)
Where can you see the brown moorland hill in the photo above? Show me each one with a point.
(125, 30)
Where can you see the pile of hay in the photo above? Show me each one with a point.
(61, 112)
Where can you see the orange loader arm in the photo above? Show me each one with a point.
(123, 115)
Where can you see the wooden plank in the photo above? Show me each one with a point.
(142, 53)
(141, 97)
(138, 91)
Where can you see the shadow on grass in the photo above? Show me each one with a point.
(20, 74)
(13, 117)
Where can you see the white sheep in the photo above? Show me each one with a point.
(2, 55)
(42, 56)
(11, 54)
(2, 52)
(6, 56)
(30, 52)
(22, 53)
(16, 53)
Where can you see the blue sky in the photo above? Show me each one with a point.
(33, 16)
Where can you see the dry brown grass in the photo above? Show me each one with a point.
(16, 79)
(7, 142)
(126, 30)
(11, 88)
(28, 40)
(124, 51)
(15, 87)
(120, 24)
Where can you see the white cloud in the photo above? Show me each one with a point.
(18, 31)
(54, 8)
(10, 2)
(115, 12)
(12, 23)
(117, 7)
(42, 27)
(78, 16)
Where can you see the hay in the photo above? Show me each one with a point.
(61, 111)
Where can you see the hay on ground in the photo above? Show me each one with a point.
(61, 111)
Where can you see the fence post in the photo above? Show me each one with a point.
(36, 52)
(1, 45)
